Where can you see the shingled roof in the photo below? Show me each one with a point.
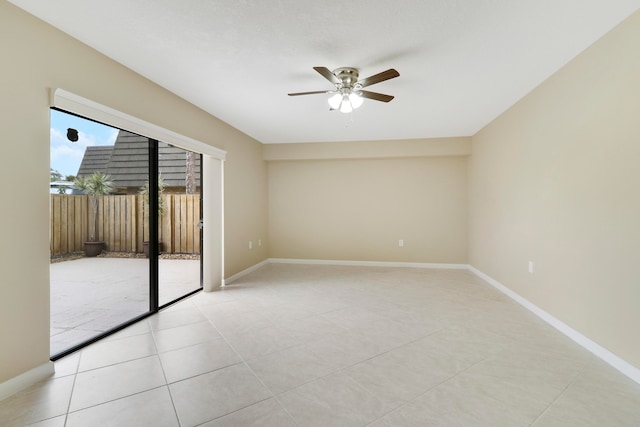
(95, 159)
(127, 162)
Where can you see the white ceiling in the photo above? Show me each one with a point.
(461, 63)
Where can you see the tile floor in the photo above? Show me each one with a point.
(296, 345)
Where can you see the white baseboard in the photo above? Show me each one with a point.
(244, 272)
(618, 363)
(22, 381)
(366, 263)
(261, 264)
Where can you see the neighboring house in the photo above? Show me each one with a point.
(126, 162)
(56, 186)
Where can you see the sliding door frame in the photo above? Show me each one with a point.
(211, 278)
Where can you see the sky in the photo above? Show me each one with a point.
(66, 155)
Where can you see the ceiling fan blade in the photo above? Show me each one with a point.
(375, 96)
(309, 93)
(327, 74)
(380, 77)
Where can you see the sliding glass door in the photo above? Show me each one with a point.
(123, 236)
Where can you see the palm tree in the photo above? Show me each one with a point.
(94, 185)
(190, 178)
(144, 191)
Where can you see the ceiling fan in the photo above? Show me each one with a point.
(348, 93)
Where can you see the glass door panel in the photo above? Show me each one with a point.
(99, 274)
(178, 221)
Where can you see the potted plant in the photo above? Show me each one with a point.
(144, 191)
(93, 186)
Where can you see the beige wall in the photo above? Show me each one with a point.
(556, 180)
(358, 209)
(425, 147)
(37, 57)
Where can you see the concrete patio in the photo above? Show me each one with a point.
(92, 295)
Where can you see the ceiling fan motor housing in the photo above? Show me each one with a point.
(347, 75)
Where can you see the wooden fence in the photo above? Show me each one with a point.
(123, 223)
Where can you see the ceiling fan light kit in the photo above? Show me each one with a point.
(348, 94)
(345, 102)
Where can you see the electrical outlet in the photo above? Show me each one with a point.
(401, 243)
(250, 244)
(531, 267)
(259, 242)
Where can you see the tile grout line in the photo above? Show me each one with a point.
(189, 345)
(427, 391)
(561, 393)
(73, 386)
(116, 399)
(164, 374)
(173, 404)
(234, 411)
(118, 363)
